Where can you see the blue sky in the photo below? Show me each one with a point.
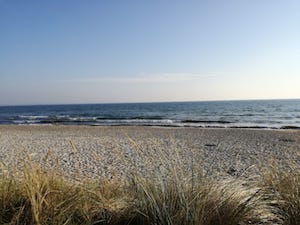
(138, 51)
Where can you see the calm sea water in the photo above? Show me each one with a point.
(256, 114)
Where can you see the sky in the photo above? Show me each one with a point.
(97, 51)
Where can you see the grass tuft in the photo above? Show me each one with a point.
(285, 185)
(39, 197)
(211, 203)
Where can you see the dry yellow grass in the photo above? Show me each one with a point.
(32, 195)
(285, 186)
(38, 197)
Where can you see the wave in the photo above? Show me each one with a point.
(207, 121)
(131, 118)
(31, 117)
(148, 120)
(164, 123)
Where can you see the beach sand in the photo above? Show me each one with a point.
(115, 152)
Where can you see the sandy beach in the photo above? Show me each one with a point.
(100, 151)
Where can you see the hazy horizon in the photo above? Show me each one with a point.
(77, 52)
(104, 103)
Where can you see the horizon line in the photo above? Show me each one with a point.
(149, 102)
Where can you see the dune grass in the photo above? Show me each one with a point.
(39, 197)
(31, 195)
(285, 184)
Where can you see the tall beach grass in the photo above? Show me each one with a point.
(175, 194)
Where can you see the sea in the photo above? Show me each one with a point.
(264, 114)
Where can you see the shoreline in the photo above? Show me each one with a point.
(285, 127)
(116, 151)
